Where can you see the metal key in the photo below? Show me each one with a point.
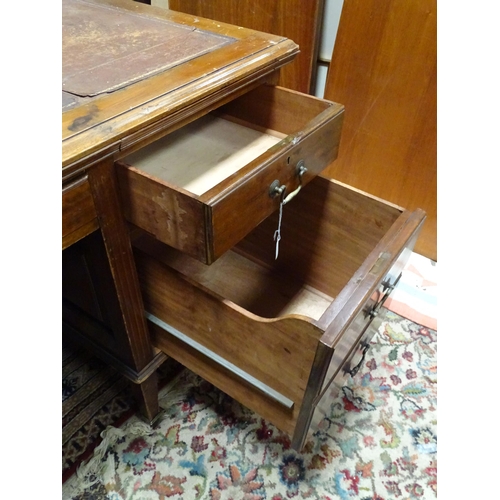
(276, 189)
(277, 233)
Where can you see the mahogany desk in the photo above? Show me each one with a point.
(131, 74)
(154, 101)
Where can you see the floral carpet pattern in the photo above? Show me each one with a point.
(93, 397)
(377, 440)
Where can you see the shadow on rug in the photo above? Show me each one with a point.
(94, 396)
(377, 439)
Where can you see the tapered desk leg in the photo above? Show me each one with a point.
(128, 321)
(146, 394)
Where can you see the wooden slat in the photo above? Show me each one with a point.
(297, 20)
(383, 70)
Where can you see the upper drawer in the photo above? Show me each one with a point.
(204, 187)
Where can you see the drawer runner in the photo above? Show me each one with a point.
(268, 391)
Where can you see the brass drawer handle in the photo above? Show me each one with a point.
(278, 189)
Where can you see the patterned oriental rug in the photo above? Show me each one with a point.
(94, 396)
(377, 440)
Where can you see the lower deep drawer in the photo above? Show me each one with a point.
(273, 334)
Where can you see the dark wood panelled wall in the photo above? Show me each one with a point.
(383, 70)
(298, 20)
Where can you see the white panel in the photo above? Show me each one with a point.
(321, 72)
(160, 3)
(331, 17)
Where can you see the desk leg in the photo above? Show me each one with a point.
(146, 394)
(128, 321)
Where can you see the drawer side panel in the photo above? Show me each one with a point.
(279, 353)
(171, 216)
(234, 386)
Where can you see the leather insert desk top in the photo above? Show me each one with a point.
(97, 59)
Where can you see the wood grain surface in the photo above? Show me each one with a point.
(208, 225)
(93, 126)
(383, 70)
(297, 20)
(79, 216)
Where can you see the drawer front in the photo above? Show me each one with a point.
(352, 348)
(239, 209)
(79, 216)
(346, 359)
(206, 222)
(354, 318)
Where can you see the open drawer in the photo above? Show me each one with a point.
(273, 334)
(204, 187)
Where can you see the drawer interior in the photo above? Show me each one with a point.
(201, 155)
(250, 284)
(327, 233)
(266, 330)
